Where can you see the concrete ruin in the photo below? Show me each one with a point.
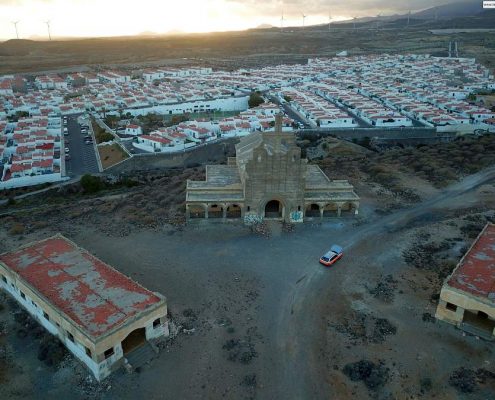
(268, 179)
(467, 299)
(99, 314)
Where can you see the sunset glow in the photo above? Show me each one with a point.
(86, 18)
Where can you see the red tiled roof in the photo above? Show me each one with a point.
(91, 293)
(476, 271)
(158, 139)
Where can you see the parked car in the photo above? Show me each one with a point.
(66, 150)
(67, 157)
(332, 256)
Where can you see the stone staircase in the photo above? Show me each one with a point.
(141, 356)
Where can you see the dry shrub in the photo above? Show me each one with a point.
(17, 229)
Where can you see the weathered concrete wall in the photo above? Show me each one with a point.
(463, 302)
(279, 176)
(361, 133)
(214, 152)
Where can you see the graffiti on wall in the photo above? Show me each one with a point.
(251, 219)
(296, 216)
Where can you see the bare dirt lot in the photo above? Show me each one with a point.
(259, 317)
(111, 155)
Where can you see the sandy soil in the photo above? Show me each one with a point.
(265, 320)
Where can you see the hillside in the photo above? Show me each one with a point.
(253, 47)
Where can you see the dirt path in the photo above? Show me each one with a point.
(296, 326)
(260, 310)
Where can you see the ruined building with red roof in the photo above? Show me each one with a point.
(99, 314)
(467, 299)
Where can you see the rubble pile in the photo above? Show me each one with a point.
(261, 229)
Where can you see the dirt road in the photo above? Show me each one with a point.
(295, 327)
(264, 319)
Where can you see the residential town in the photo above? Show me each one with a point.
(374, 91)
(231, 199)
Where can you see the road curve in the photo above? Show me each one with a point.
(299, 310)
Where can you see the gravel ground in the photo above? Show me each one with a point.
(260, 318)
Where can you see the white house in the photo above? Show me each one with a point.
(134, 130)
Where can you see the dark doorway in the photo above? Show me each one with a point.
(313, 210)
(234, 211)
(273, 209)
(215, 211)
(196, 212)
(134, 340)
(479, 320)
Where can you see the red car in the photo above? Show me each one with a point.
(332, 256)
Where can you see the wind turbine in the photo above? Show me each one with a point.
(16, 31)
(354, 22)
(408, 17)
(304, 18)
(282, 21)
(377, 21)
(49, 33)
(329, 21)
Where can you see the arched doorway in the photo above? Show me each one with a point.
(134, 340)
(313, 210)
(196, 211)
(233, 211)
(273, 209)
(330, 210)
(215, 211)
(347, 209)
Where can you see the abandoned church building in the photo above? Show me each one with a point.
(99, 314)
(269, 179)
(467, 299)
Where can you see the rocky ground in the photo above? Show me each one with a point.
(257, 316)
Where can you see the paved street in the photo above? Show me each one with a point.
(82, 156)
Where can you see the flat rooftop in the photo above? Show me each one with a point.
(217, 176)
(89, 292)
(475, 273)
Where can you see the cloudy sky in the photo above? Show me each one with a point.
(128, 17)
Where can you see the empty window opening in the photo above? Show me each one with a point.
(108, 353)
(47, 317)
(23, 296)
(156, 323)
(451, 307)
(88, 352)
(70, 337)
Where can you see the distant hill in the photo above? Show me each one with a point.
(458, 9)
(465, 8)
(264, 26)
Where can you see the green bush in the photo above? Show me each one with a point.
(255, 99)
(91, 184)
